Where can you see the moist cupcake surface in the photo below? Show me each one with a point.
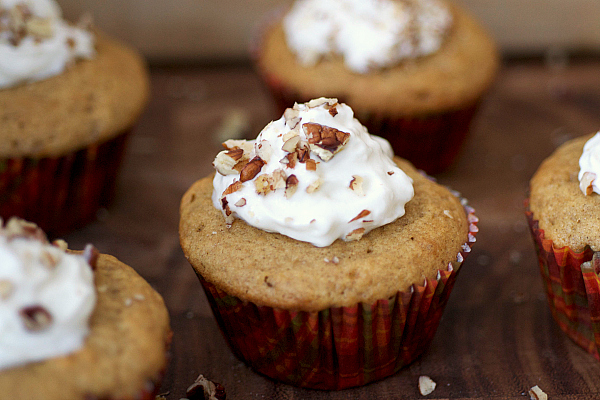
(274, 276)
(564, 212)
(405, 68)
(68, 99)
(76, 326)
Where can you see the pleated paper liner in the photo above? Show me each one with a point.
(431, 142)
(339, 347)
(61, 193)
(572, 286)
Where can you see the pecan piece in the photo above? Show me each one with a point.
(291, 184)
(204, 389)
(356, 185)
(360, 215)
(323, 140)
(356, 234)
(586, 183)
(91, 254)
(228, 162)
(251, 169)
(234, 187)
(35, 318)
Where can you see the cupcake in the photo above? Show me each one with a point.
(564, 215)
(75, 325)
(413, 71)
(68, 99)
(327, 263)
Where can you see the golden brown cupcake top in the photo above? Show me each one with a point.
(453, 77)
(124, 355)
(567, 216)
(91, 102)
(273, 270)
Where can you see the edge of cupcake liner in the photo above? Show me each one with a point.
(572, 287)
(64, 192)
(339, 347)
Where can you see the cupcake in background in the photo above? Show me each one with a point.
(69, 96)
(413, 71)
(564, 216)
(326, 261)
(75, 325)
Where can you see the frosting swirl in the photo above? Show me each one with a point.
(368, 34)
(314, 175)
(46, 296)
(36, 43)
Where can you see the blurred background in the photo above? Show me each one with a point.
(209, 31)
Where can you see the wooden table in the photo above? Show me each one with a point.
(497, 338)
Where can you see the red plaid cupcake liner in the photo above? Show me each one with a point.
(61, 193)
(339, 347)
(572, 286)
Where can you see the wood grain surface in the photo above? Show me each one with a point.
(497, 338)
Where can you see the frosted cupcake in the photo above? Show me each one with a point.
(75, 326)
(564, 216)
(413, 71)
(312, 237)
(68, 99)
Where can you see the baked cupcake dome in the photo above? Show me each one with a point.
(63, 137)
(422, 106)
(282, 304)
(564, 225)
(123, 357)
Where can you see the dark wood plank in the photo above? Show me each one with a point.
(496, 339)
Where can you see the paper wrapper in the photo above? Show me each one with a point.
(339, 347)
(431, 142)
(61, 193)
(573, 287)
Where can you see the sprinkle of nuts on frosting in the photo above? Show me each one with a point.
(251, 169)
(291, 184)
(6, 289)
(234, 187)
(360, 215)
(356, 234)
(240, 203)
(35, 318)
(586, 183)
(356, 185)
(314, 186)
(323, 140)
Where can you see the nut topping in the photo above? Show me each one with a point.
(314, 186)
(240, 203)
(360, 215)
(291, 184)
(234, 187)
(91, 254)
(324, 140)
(227, 162)
(290, 143)
(35, 318)
(356, 185)
(233, 144)
(586, 183)
(251, 169)
(6, 289)
(356, 234)
(311, 165)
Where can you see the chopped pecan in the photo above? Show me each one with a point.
(35, 318)
(356, 234)
(356, 185)
(234, 187)
(204, 389)
(290, 160)
(263, 184)
(91, 254)
(314, 186)
(240, 203)
(586, 183)
(251, 169)
(311, 165)
(324, 140)
(290, 142)
(6, 289)
(233, 144)
(360, 215)
(291, 184)
(230, 162)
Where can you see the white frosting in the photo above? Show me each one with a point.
(63, 287)
(367, 33)
(325, 214)
(39, 57)
(589, 164)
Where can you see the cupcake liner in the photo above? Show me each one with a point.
(431, 141)
(572, 286)
(339, 347)
(61, 193)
